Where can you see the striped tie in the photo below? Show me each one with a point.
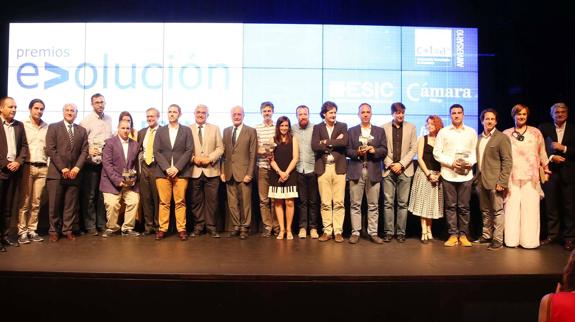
(71, 135)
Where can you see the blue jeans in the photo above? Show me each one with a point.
(395, 189)
(357, 188)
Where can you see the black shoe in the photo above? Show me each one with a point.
(244, 235)
(214, 234)
(8, 242)
(267, 234)
(547, 241)
(2, 248)
(387, 238)
(401, 239)
(483, 240)
(495, 245)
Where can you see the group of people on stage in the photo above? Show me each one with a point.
(113, 171)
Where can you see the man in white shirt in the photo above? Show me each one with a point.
(455, 148)
(34, 173)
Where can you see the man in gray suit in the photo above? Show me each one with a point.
(67, 148)
(493, 169)
(398, 171)
(239, 161)
(209, 148)
(173, 150)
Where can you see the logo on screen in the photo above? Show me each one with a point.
(433, 47)
(373, 90)
(416, 91)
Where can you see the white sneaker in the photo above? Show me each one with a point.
(302, 233)
(313, 233)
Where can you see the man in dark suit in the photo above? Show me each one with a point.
(560, 188)
(173, 150)
(366, 149)
(238, 166)
(118, 181)
(13, 153)
(67, 148)
(329, 142)
(148, 192)
(493, 170)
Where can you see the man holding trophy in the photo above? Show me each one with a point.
(118, 182)
(455, 149)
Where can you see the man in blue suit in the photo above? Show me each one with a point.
(366, 149)
(118, 181)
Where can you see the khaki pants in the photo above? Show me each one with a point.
(33, 183)
(113, 203)
(332, 193)
(166, 188)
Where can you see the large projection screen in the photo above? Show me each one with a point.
(141, 65)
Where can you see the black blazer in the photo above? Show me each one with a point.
(337, 147)
(62, 154)
(567, 169)
(374, 161)
(21, 148)
(181, 152)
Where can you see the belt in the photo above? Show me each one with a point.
(38, 164)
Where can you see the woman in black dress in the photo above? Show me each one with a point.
(283, 178)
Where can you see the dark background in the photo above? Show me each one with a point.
(526, 49)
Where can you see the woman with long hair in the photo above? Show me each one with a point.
(426, 199)
(283, 178)
(126, 116)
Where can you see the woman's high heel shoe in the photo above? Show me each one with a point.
(281, 234)
(289, 235)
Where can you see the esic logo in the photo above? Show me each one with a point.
(151, 76)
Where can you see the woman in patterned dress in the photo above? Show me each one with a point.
(283, 178)
(426, 200)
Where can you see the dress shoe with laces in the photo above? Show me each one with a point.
(338, 238)
(547, 241)
(354, 239)
(569, 245)
(160, 235)
(376, 239)
(325, 237)
(183, 235)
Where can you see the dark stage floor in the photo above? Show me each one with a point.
(267, 277)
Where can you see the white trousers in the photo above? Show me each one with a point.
(522, 215)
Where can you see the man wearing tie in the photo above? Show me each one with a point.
(118, 182)
(238, 166)
(209, 147)
(13, 153)
(329, 142)
(173, 150)
(148, 191)
(67, 148)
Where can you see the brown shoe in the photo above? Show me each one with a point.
(70, 236)
(53, 237)
(338, 238)
(325, 237)
(160, 235)
(182, 235)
